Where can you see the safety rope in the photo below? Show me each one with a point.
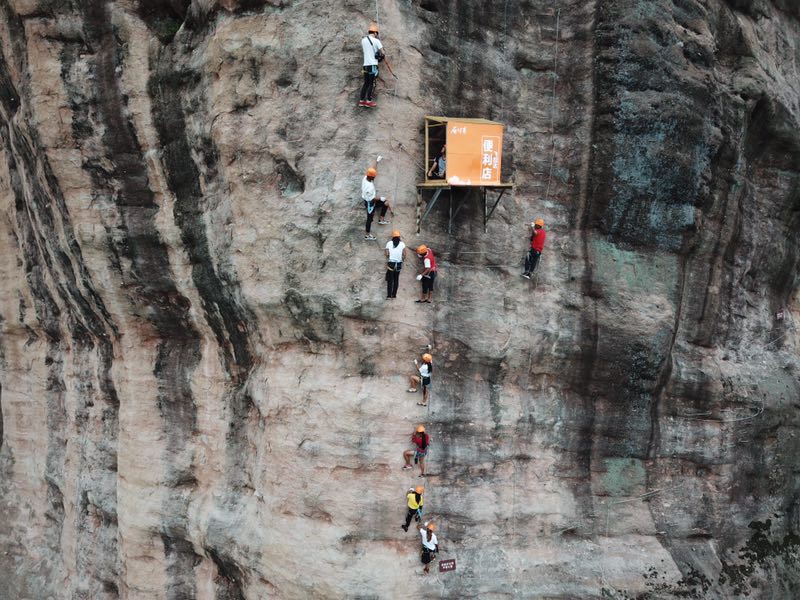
(553, 105)
(515, 467)
(608, 505)
(505, 60)
(757, 404)
(391, 136)
(698, 416)
(792, 327)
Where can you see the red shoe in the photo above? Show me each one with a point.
(362, 103)
(370, 104)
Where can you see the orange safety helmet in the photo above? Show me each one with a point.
(431, 527)
(539, 222)
(395, 233)
(373, 28)
(427, 357)
(421, 429)
(372, 172)
(422, 249)
(419, 489)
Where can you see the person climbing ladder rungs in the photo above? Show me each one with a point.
(425, 370)
(422, 443)
(428, 273)
(537, 246)
(430, 545)
(395, 252)
(374, 54)
(414, 502)
(371, 203)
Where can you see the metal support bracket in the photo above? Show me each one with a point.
(434, 198)
(463, 196)
(453, 215)
(488, 215)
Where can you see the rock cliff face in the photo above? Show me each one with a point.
(203, 384)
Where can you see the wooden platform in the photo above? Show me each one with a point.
(442, 183)
(433, 183)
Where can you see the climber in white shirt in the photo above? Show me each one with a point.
(425, 369)
(371, 203)
(374, 54)
(430, 544)
(395, 252)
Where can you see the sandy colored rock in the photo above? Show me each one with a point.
(203, 384)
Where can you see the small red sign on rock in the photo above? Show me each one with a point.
(447, 565)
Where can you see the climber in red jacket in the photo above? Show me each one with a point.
(537, 245)
(422, 443)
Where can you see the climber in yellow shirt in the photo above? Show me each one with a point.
(415, 502)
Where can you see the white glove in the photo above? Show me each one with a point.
(383, 198)
(379, 159)
(419, 277)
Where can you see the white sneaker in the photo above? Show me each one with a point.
(382, 222)
(370, 237)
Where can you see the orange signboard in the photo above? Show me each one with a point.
(474, 153)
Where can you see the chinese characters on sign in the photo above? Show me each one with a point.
(474, 153)
(490, 158)
(447, 565)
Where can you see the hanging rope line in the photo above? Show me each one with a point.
(553, 105)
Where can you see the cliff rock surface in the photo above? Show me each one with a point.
(203, 384)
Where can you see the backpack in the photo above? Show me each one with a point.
(379, 53)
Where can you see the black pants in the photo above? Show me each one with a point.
(383, 207)
(427, 282)
(410, 514)
(392, 278)
(370, 216)
(369, 83)
(531, 260)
